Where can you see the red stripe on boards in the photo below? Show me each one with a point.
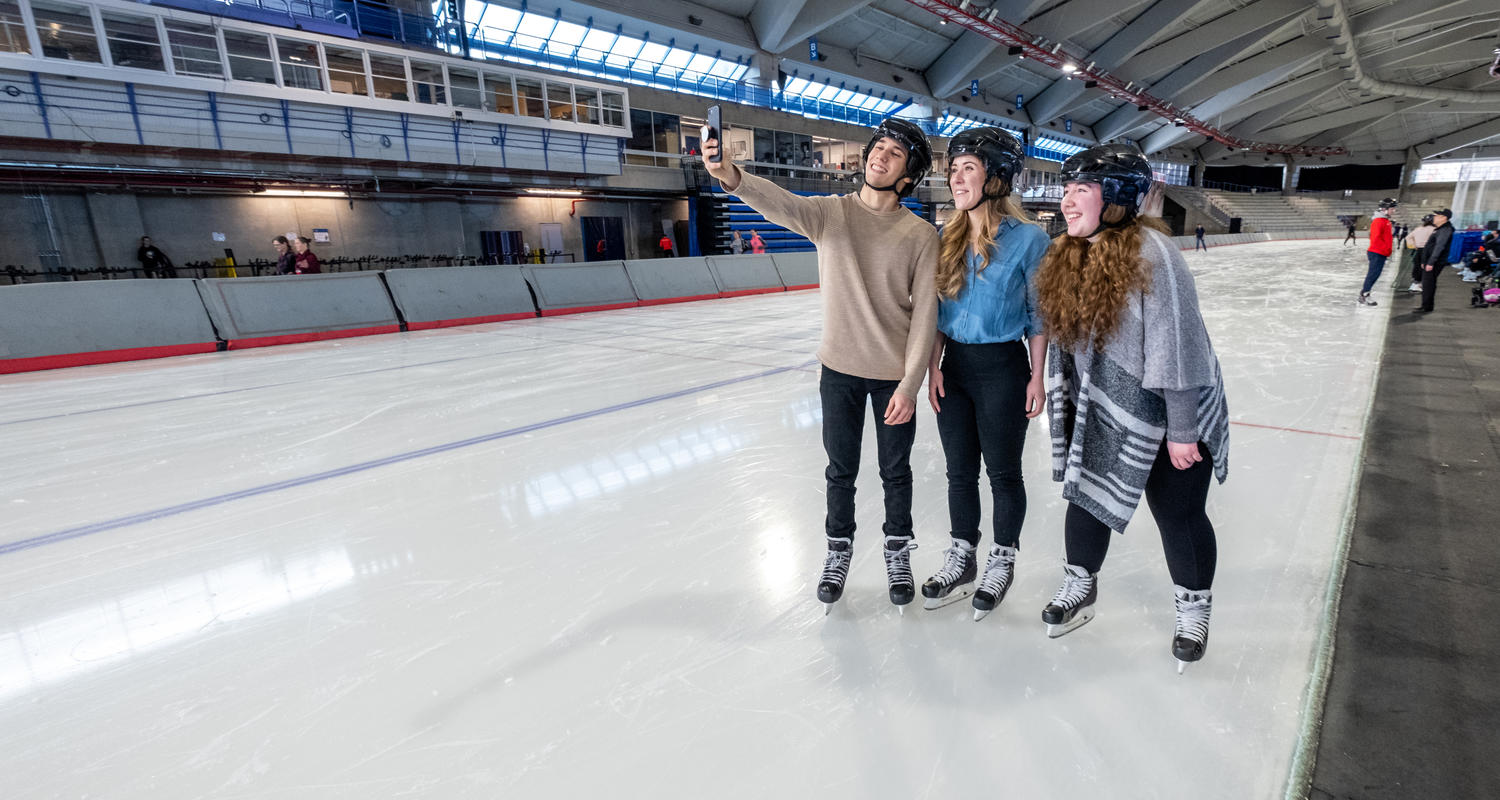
(63, 360)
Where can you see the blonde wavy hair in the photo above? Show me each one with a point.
(953, 247)
(1082, 286)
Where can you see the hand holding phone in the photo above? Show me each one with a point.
(711, 131)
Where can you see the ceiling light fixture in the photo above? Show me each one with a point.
(555, 192)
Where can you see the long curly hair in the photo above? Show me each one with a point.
(953, 247)
(1082, 287)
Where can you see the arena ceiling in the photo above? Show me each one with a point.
(1384, 80)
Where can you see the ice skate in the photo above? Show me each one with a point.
(1364, 300)
(903, 586)
(1073, 605)
(999, 573)
(955, 580)
(835, 571)
(1190, 640)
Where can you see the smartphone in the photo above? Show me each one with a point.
(711, 131)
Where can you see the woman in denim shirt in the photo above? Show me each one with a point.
(985, 376)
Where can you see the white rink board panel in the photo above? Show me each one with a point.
(575, 556)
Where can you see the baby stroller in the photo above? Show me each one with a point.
(1487, 288)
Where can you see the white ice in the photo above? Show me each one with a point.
(575, 557)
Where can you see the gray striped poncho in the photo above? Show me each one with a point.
(1105, 407)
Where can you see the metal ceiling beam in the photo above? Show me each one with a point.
(1035, 47)
(1222, 101)
(1280, 62)
(1213, 34)
(1401, 15)
(778, 24)
(1473, 134)
(1426, 53)
(1302, 129)
(1056, 98)
(955, 67)
(1127, 118)
(1076, 16)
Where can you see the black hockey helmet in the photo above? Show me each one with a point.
(1427, 219)
(999, 151)
(1388, 203)
(918, 151)
(1121, 170)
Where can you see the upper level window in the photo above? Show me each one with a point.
(529, 97)
(560, 101)
(346, 70)
(12, 28)
(427, 81)
(66, 31)
(300, 67)
(388, 77)
(133, 41)
(249, 57)
(614, 108)
(464, 85)
(502, 96)
(195, 49)
(587, 104)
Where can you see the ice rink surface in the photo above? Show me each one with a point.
(575, 557)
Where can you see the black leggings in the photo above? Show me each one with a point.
(1177, 498)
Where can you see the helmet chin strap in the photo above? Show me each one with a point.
(891, 188)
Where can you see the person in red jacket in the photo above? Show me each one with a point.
(1380, 248)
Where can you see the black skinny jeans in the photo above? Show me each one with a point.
(844, 399)
(1177, 498)
(984, 415)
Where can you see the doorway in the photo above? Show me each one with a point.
(603, 238)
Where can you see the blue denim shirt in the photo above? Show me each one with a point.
(998, 304)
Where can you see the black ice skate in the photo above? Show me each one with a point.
(835, 571)
(955, 580)
(1190, 640)
(999, 573)
(898, 570)
(1073, 605)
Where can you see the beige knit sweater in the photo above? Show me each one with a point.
(876, 272)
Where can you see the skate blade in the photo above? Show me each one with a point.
(1181, 665)
(958, 593)
(979, 615)
(1054, 631)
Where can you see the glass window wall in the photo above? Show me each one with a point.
(133, 41)
(195, 49)
(346, 70)
(502, 95)
(529, 97)
(12, 28)
(463, 87)
(559, 102)
(388, 77)
(249, 57)
(427, 81)
(300, 68)
(66, 32)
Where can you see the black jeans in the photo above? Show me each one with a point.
(1429, 285)
(984, 414)
(844, 399)
(1177, 498)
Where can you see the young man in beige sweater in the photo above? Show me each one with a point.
(876, 261)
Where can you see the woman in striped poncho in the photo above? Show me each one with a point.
(1136, 400)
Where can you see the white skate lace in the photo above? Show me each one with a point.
(1193, 610)
(836, 564)
(955, 558)
(898, 564)
(998, 571)
(1075, 587)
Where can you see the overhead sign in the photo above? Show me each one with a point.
(1020, 101)
(812, 48)
(974, 88)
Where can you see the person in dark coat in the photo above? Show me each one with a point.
(286, 260)
(1436, 258)
(153, 261)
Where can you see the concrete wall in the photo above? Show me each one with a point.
(103, 229)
